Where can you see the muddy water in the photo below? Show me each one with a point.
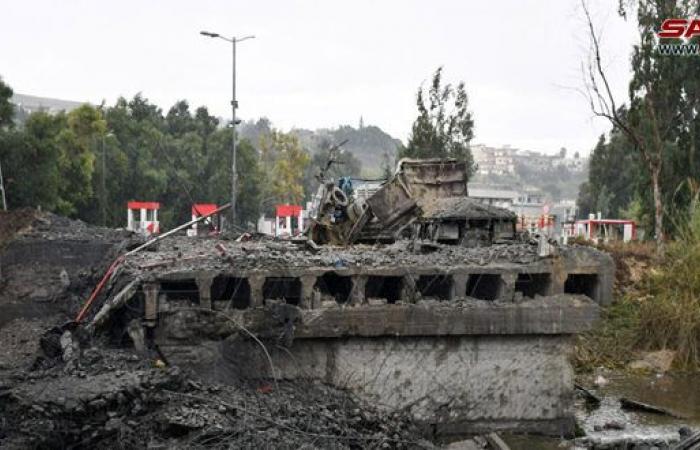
(678, 393)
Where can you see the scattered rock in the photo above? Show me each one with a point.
(600, 380)
(659, 361)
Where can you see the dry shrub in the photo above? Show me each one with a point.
(670, 318)
(610, 343)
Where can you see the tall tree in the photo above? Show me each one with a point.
(284, 161)
(444, 126)
(656, 95)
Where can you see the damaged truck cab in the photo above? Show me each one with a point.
(425, 199)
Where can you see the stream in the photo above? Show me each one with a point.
(641, 430)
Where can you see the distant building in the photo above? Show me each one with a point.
(597, 229)
(503, 160)
(494, 161)
(495, 196)
(31, 103)
(288, 221)
(535, 213)
(210, 225)
(142, 217)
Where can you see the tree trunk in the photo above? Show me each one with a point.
(658, 205)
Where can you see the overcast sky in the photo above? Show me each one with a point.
(324, 63)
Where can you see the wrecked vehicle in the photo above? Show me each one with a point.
(425, 199)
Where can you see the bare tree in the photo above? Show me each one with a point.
(649, 143)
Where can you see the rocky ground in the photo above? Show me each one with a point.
(113, 398)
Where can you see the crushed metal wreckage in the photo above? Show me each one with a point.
(425, 199)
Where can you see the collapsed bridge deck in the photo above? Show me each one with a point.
(246, 275)
(472, 339)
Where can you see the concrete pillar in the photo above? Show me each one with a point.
(459, 285)
(150, 292)
(557, 279)
(357, 294)
(604, 287)
(256, 283)
(307, 291)
(408, 289)
(508, 286)
(204, 286)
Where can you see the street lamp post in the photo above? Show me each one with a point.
(234, 104)
(103, 193)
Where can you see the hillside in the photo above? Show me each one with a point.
(368, 144)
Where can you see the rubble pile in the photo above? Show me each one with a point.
(48, 262)
(32, 224)
(180, 254)
(109, 398)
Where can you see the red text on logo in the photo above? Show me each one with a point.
(676, 28)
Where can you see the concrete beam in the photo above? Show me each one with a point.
(561, 314)
(557, 315)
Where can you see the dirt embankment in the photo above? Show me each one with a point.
(48, 262)
(633, 261)
(14, 222)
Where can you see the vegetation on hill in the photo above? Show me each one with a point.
(557, 183)
(366, 148)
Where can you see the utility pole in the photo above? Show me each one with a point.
(2, 188)
(234, 105)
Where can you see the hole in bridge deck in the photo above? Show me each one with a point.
(435, 286)
(227, 289)
(532, 284)
(180, 290)
(484, 286)
(333, 285)
(388, 288)
(283, 288)
(581, 283)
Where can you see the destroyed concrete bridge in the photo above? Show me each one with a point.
(467, 339)
(421, 302)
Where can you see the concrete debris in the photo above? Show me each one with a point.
(659, 361)
(112, 395)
